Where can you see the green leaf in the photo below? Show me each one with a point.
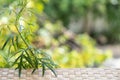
(33, 70)
(51, 69)
(8, 27)
(16, 60)
(19, 70)
(9, 50)
(24, 66)
(13, 43)
(20, 65)
(6, 43)
(18, 51)
(36, 62)
(28, 60)
(43, 69)
(17, 41)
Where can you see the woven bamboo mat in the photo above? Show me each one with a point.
(63, 74)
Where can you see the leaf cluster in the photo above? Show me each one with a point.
(22, 54)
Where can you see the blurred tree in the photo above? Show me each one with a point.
(88, 10)
(113, 16)
(65, 9)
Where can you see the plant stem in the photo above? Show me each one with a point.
(19, 33)
(16, 22)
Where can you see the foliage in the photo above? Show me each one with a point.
(88, 56)
(70, 50)
(65, 10)
(113, 16)
(17, 25)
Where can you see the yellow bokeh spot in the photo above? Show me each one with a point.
(39, 7)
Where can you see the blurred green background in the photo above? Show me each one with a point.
(71, 31)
